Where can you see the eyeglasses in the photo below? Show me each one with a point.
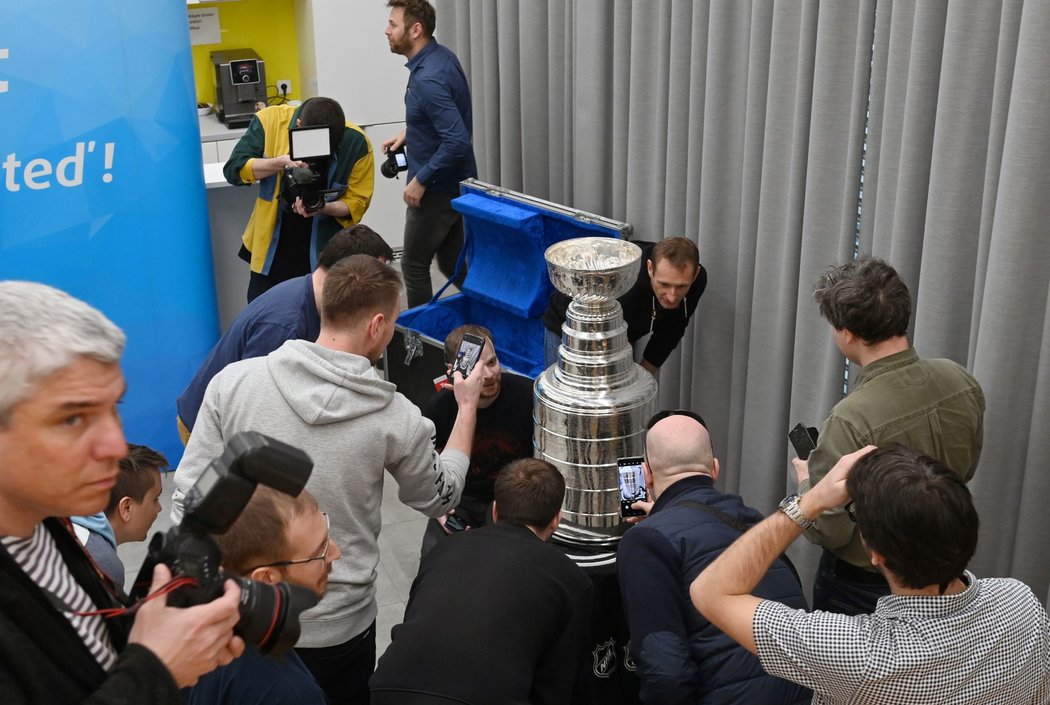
(657, 418)
(296, 561)
(851, 511)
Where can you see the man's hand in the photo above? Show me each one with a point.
(640, 504)
(394, 143)
(414, 193)
(192, 641)
(468, 389)
(443, 520)
(801, 469)
(831, 492)
(261, 168)
(299, 208)
(649, 367)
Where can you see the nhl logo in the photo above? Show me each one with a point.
(628, 662)
(605, 659)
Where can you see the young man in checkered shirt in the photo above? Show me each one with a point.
(941, 636)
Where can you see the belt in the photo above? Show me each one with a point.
(851, 572)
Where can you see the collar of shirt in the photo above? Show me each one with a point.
(416, 60)
(887, 364)
(679, 488)
(929, 606)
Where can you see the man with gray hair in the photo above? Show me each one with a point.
(60, 442)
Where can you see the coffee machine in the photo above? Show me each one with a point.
(240, 82)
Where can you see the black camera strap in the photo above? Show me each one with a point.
(734, 523)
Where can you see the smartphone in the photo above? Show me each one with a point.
(632, 485)
(803, 439)
(468, 355)
(455, 523)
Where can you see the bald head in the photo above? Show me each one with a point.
(679, 446)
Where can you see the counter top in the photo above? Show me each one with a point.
(214, 131)
(213, 177)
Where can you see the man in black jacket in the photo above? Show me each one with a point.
(657, 308)
(60, 442)
(503, 432)
(495, 615)
(681, 656)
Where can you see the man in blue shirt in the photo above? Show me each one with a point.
(438, 129)
(288, 311)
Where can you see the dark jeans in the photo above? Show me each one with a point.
(434, 228)
(846, 589)
(343, 671)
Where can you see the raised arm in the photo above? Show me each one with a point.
(722, 592)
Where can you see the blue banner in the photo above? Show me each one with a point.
(101, 189)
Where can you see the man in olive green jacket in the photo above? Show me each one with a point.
(934, 407)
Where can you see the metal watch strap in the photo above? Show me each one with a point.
(793, 512)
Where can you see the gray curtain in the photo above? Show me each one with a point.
(742, 125)
(956, 196)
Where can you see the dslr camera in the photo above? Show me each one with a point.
(269, 614)
(306, 183)
(395, 163)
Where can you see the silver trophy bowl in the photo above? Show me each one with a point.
(593, 267)
(591, 407)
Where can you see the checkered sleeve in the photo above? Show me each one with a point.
(820, 650)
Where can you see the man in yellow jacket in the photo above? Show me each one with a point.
(282, 240)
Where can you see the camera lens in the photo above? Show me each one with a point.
(313, 201)
(270, 614)
(389, 168)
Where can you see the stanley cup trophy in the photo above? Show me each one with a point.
(591, 407)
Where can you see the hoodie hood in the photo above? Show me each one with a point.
(99, 524)
(327, 386)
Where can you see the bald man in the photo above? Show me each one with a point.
(681, 657)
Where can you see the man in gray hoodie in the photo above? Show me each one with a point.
(327, 399)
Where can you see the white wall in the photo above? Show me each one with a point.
(343, 54)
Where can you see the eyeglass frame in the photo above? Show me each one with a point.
(298, 561)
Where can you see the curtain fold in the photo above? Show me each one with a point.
(778, 135)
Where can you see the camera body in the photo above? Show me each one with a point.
(269, 614)
(306, 183)
(395, 163)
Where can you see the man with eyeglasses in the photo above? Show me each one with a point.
(681, 657)
(258, 546)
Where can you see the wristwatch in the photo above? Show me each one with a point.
(790, 507)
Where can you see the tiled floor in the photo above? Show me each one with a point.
(399, 541)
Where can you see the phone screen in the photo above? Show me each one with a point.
(632, 485)
(469, 354)
(803, 440)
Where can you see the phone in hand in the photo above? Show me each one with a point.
(467, 357)
(632, 485)
(455, 523)
(803, 440)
